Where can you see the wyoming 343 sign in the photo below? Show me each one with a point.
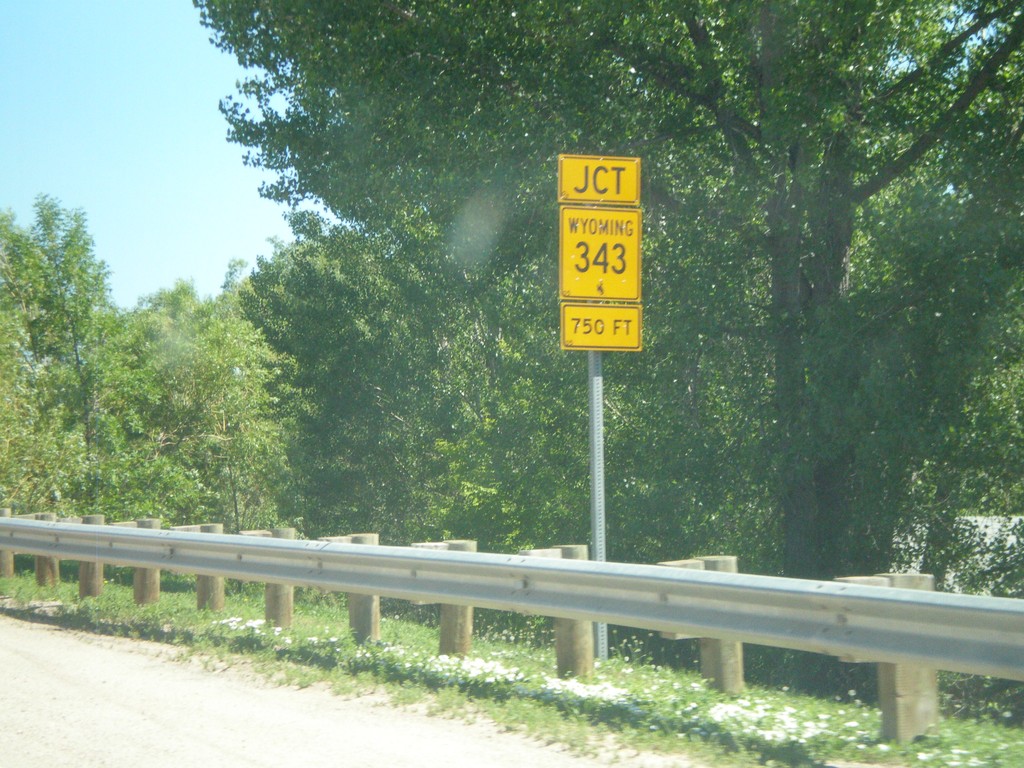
(599, 254)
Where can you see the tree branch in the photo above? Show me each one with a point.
(1016, 135)
(736, 130)
(659, 195)
(932, 135)
(942, 54)
(669, 75)
(678, 79)
(405, 14)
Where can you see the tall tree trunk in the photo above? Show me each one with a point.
(796, 497)
(809, 247)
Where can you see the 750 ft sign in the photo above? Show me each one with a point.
(602, 327)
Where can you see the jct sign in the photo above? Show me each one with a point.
(596, 179)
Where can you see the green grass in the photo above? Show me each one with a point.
(510, 679)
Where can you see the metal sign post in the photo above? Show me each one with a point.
(597, 482)
(599, 294)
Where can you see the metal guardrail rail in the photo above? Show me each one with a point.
(962, 633)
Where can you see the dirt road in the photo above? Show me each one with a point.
(72, 699)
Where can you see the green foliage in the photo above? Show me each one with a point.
(158, 412)
(193, 439)
(827, 259)
(832, 208)
(335, 311)
(56, 312)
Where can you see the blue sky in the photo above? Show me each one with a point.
(111, 106)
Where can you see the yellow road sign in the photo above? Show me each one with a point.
(602, 327)
(598, 179)
(599, 253)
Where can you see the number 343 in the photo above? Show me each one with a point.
(601, 257)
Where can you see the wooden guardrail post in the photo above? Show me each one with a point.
(573, 654)
(47, 568)
(280, 598)
(457, 620)
(364, 610)
(908, 694)
(90, 572)
(6, 555)
(210, 589)
(574, 639)
(721, 661)
(146, 581)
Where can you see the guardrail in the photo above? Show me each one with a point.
(961, 633)
(856, 622)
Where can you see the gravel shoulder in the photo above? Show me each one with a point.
(70, 698)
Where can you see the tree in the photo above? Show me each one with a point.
(18, 413)
(55, 296)
(355, 364)
(191, 437)
(776, 139)
(162, 411)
